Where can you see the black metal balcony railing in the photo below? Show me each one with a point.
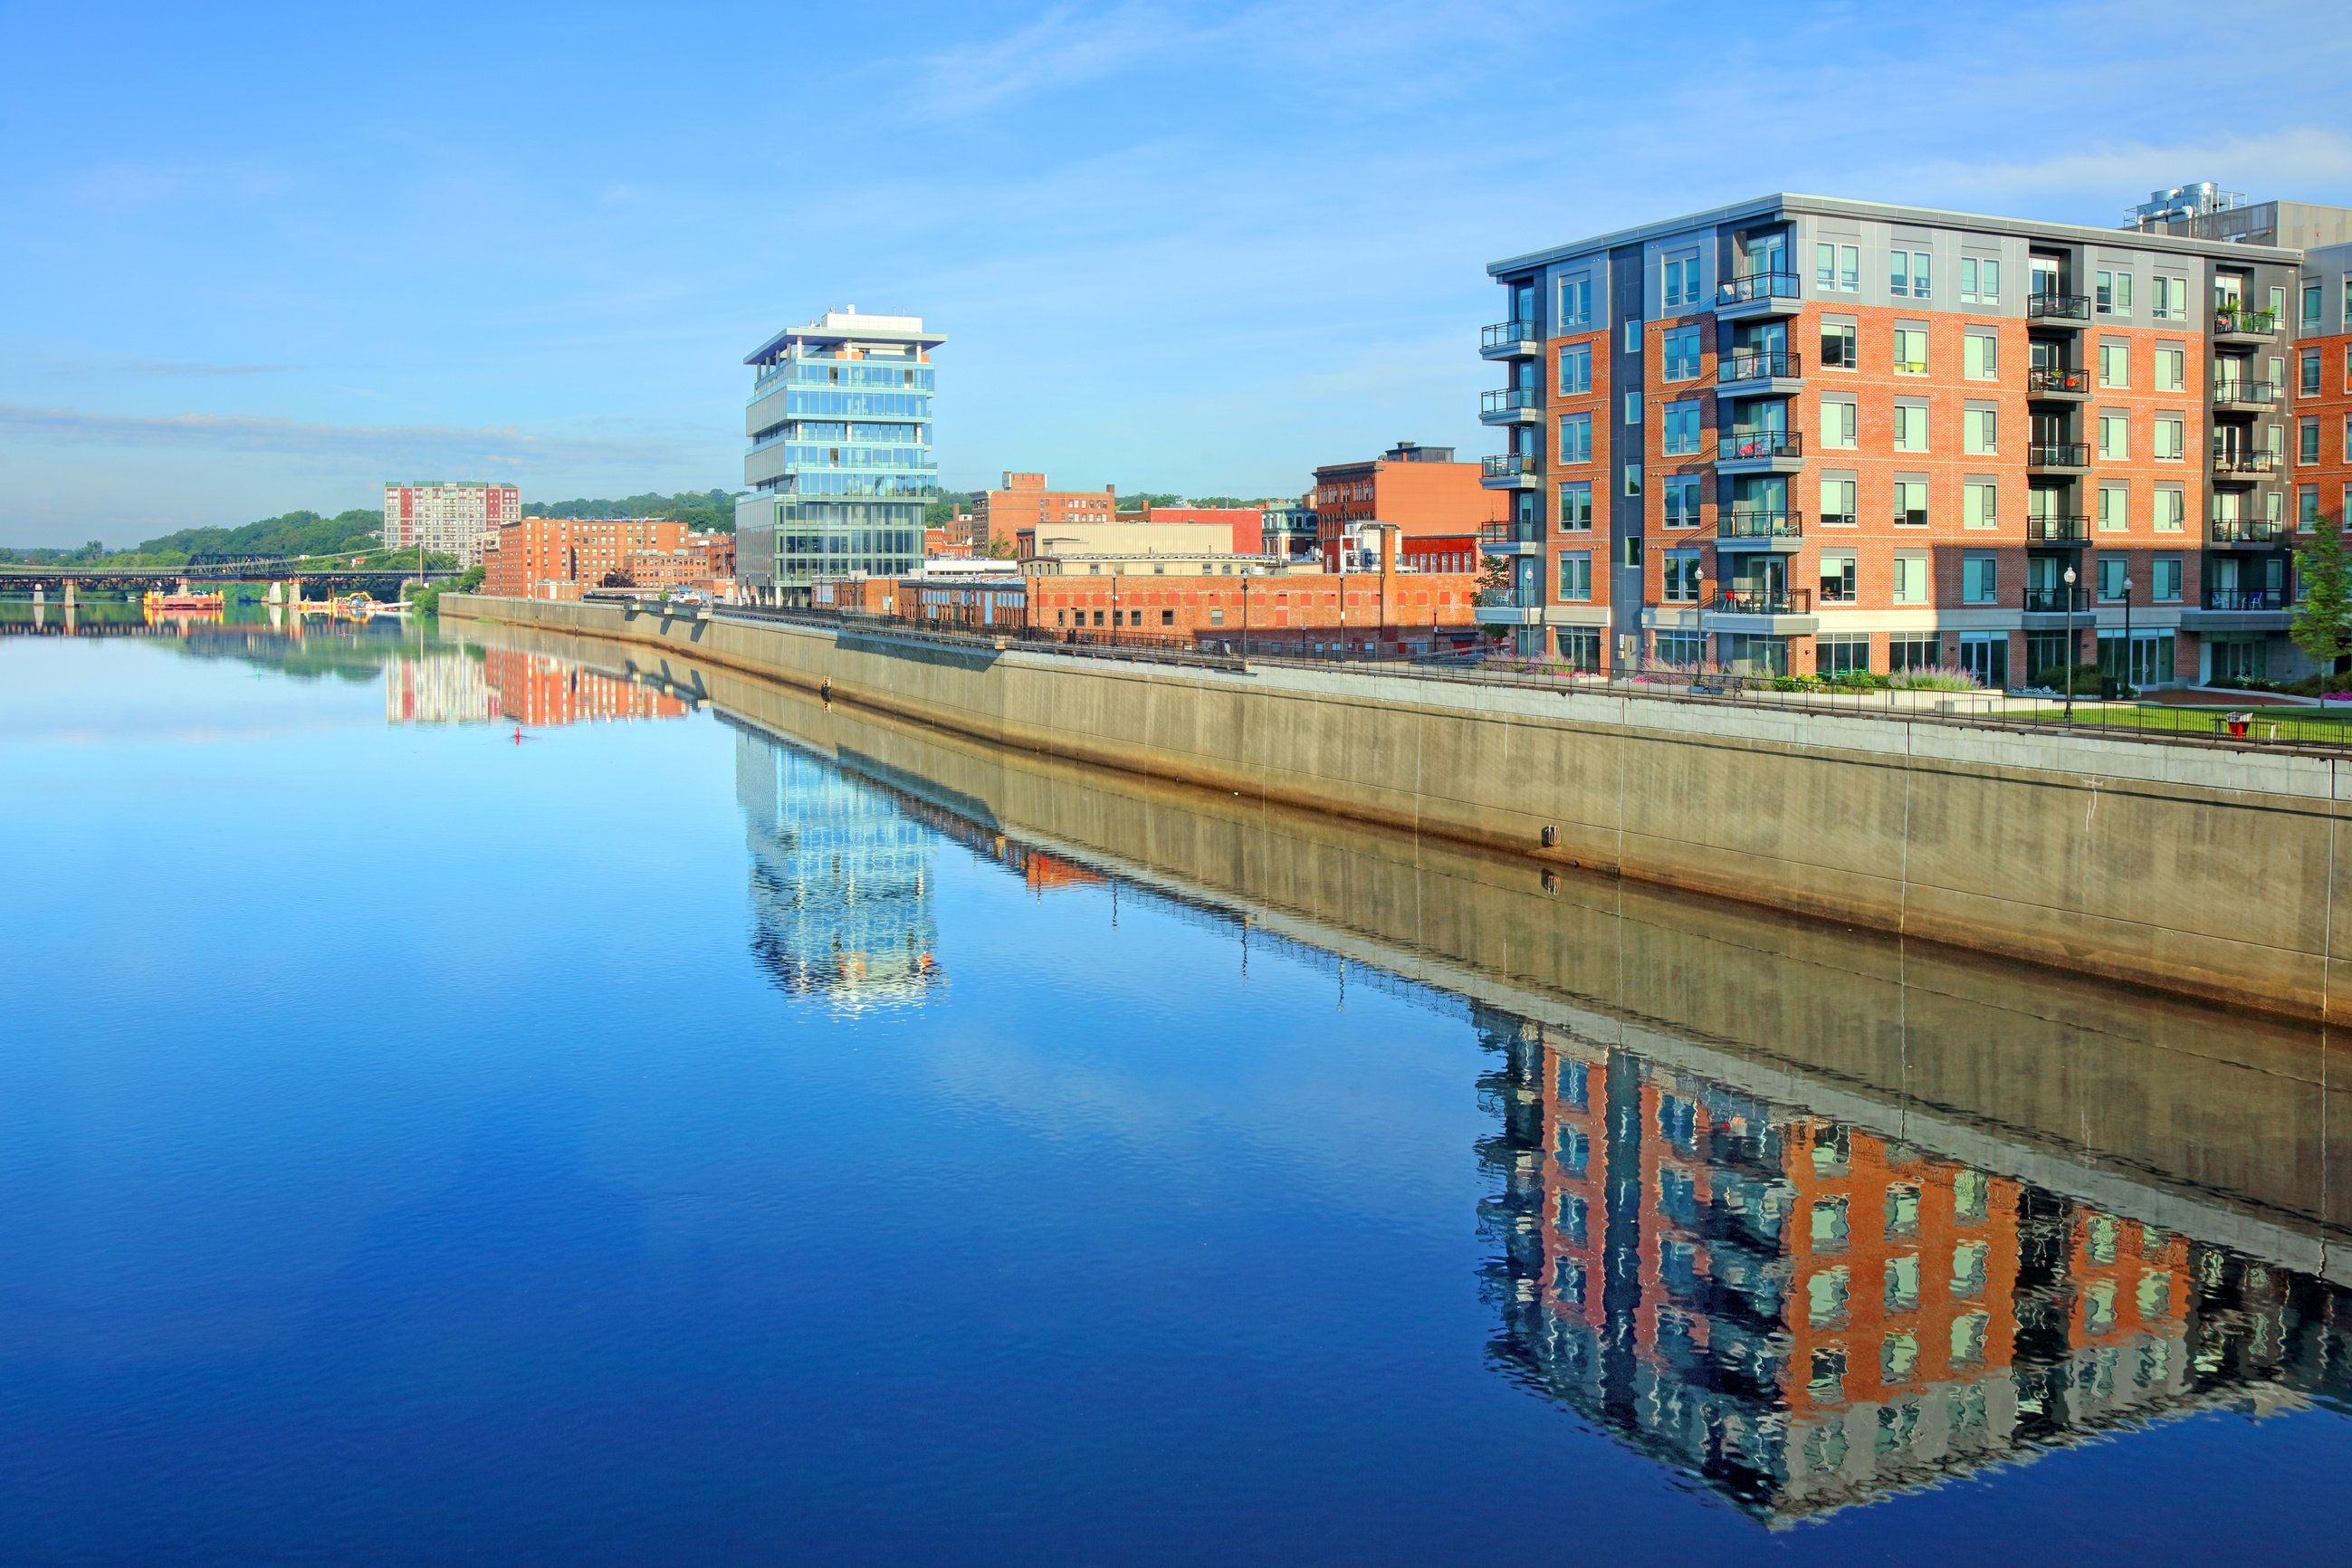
(2049, 378)
(1510, 533)
(1503, 334)
(2241, 320)
(1509, 400)
(2236, 390)
(1739, 445)
(1759, 364)
(1737, 524)
(2058, 455)
(2244, 460)
(2246, 531)
(2044, 528)
(2246, 599)
(1735, 600)
(2057, 307)
(1757, 286)
(2054, 601)
(1503, 464)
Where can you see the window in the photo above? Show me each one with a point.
(1576, 300)
(1907, 273)
(2171, 368)
(2171, 509)
(1682, 354)
(1682, 282)
(1682, 500)
(2311, 297)
(1980, 357)
(2171, 437)
(2114, 363)
(1979, 504)
(1634, 336)
(1576, 370)
(1838, 422)
(1836, 653)
(1575, 507)
(2166, 570)
(1910, 350)
(2113, 295)
(1829, 1231)
(1980, 579)
(1682, 427)
(2278, 302)
(1980, 280)
(1910, 579)
(1911, 503)
(1837, 583)
(1629, 551)
(2307, 507)
(1825, 1297)
(1837, 501)
(1980, 431)
(1682, 578)
(1910, 426)
(2114, 436)
(1838, 267)
(2307, 381)
(1576, 575)
(2115, 508)
(1920, 651)
(2111, 576)
(1576, 439)
(1633, 478)
(1837, 345)
(2172, 301)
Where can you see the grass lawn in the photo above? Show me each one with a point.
(2331, 726)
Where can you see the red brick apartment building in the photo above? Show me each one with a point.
(1247, 522)
(555, 557)
(1803, 435)
(543, 692)
(1419, 489)
(1024, 501)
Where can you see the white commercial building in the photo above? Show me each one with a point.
(448, 517)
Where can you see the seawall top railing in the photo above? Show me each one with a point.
(2235, 721)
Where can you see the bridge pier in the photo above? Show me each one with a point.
(69, 593)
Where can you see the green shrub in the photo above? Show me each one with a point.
(2053, 677)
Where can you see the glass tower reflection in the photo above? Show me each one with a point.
(841, 887)
(1807, 1315)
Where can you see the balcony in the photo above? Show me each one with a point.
(1733, 607)
(2063, 383)
(1760, 452)
(1511, 538)
(2246, 599)
(2057, 309)
(1511, 405)
(2058, 457)
(2237, 393)
(1508, 608)
(1758, 294)
(2054, 601)
(2240, 324)
(1760, 530)
(2044, 528)
(1511, 340)
(2243, 463)
(2248, 530)
(1758, 373)
(1511, 471)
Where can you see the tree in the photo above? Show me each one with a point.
(2321, 627)
(617, 579)
(938, 514)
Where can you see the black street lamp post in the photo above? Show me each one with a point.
(2073, 648)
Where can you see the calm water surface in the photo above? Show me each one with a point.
(461, 1104)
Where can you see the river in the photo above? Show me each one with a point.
(496, 1098)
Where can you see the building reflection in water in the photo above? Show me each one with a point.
(1807, 1315)
(841, 883)
(535, 690)
(448, 688)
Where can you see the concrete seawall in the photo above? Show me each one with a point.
(2209, 872)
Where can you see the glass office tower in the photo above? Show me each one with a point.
(840, 467)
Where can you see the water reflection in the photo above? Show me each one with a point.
(1805, 1296)
(1808, 1314)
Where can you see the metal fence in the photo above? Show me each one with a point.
(2267, 727)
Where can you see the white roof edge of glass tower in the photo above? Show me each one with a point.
(841, 329)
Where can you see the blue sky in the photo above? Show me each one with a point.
(263, 258)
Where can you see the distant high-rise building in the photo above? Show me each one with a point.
(840, 465)
(447, 517)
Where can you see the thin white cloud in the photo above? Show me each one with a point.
(199, 368)
(1063, 47)
(506, 448)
